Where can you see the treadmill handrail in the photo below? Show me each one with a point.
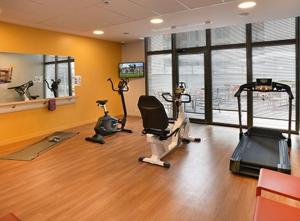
(276, 87)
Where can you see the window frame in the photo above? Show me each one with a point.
(207, 50)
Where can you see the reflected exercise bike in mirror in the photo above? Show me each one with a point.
(23, 91)
(54, 86)
(25, 77)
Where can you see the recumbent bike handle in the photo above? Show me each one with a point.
(167, 94)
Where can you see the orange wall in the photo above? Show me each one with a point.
(95, 60)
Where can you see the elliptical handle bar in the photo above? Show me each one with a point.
(166, 95)
(122, 86)
(112, 84)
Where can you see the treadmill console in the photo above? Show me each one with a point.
(263, 84)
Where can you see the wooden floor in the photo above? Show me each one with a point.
(78, 180)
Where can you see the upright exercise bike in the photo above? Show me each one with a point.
(108, 125)
(54, 86)
(163, 134)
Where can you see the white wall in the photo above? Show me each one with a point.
(25, 68)
(134, 51)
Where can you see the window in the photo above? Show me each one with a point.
(278, 63)
(228, 73)
(159, 43)
(63, 75)
(191, 39)
(73, 75)
(191, 72)
(216, 72)
(160, 78)
(274, 30)
(228, 35)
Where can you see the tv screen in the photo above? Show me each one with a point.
(131, 70)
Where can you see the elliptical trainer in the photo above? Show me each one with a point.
(108, 125)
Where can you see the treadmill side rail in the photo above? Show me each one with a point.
(284, 166)
(235, 160)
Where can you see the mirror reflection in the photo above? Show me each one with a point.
(25, 77)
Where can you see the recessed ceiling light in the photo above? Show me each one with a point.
(141, 38)
(248, 4)
(156, 20)
(98, 32)
(107, 2)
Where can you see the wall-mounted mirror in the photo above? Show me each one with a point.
(29, 77)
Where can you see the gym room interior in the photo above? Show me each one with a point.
(159, 110)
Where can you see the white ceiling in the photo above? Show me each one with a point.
(81, 17)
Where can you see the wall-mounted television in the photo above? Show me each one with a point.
(131, 70)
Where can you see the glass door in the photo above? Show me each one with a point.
(160, 78)
(229, 71)
(191, 72)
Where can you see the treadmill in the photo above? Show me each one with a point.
(260, 147)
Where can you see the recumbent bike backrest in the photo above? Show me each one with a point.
(153, 114)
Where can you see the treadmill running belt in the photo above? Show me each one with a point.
(261, 151)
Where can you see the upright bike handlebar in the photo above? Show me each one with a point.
(122, 86)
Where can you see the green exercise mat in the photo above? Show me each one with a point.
(32, 151)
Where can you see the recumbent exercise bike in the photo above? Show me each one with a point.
(108, 125)
(23, 91)
(164, 134)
